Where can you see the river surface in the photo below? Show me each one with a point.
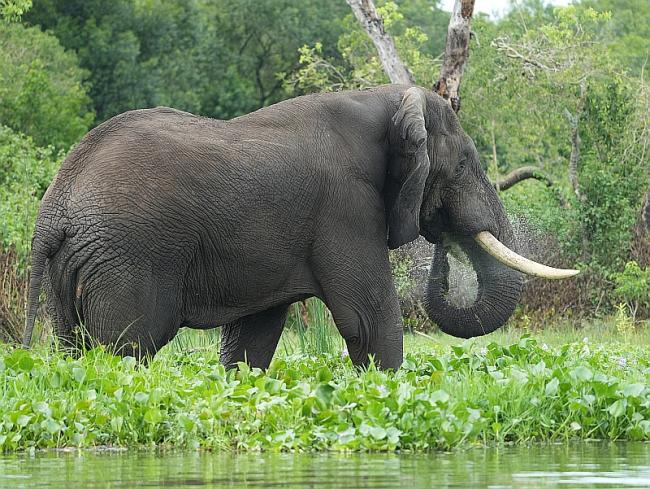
(571, 466)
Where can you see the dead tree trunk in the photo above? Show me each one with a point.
(574, 158)
(456, 53)
(365, 12)
(644, 217)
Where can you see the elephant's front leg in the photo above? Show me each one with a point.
(361, 295)
(253, 339)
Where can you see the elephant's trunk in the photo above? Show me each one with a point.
(499, 289)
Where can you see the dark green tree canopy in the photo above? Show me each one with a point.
(41, 87)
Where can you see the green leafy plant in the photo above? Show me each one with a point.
(42, 93)
(444, 396)
(633, 287)
(312, 324)
(25, 172)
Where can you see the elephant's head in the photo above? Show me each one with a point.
(436, 188)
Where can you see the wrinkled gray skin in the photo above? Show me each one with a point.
(160, 219)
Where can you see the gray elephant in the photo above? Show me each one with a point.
(160, 219)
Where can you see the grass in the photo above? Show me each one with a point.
(504, 388)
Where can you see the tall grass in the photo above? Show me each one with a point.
(310, 330)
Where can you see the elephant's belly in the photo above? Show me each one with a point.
(224, 301)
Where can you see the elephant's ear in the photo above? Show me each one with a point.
(408, 170)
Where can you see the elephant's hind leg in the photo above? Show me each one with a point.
(132, 316)
(253, 339)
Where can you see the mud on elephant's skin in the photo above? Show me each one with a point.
(160, 219)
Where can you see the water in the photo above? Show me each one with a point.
(618, 465)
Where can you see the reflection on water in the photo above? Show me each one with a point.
(577, 466)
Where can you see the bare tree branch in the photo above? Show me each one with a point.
(501, 44)
(495, 162)
(365, 12)
(521, 174)
(456, 53)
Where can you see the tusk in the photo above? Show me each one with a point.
(505, 255)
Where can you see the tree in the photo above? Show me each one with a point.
(366, 14)
(456, 53)
(219, 59)
(12, 10)
(25, 172)
(448, 83)
(135, 52)
(42, 93)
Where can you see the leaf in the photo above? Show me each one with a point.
(272, 386)
(375, 410)
(393, 435)
(377, 432)
(26, 363)
(323, 374)
(43, 408)
(617, 409)
(324, 393)
(439, 396)
(129, 362)
(153, 416)
(52, 426)
(551, 386)
(141, 397)
(79, 374)
(582, 373)
(633, 390)
(22, 420)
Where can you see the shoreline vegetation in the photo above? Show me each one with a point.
(507, 388)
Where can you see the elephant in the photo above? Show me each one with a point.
(160, 219)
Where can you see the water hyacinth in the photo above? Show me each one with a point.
(443, 397)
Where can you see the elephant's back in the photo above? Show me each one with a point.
(126, 178)
(148, 151)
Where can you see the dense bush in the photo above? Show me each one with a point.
(25, 172)
(41, 87)
(219, 59)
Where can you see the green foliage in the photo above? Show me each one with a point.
(628, 32)
(357, 65)
(12, 10)
(41, 90)
(219, 59)
(25, 173)
(535, 79)
(613, 173)
(623, 321)
(526, 72)
(401, 265)
(314, 332)
(443, 397)
(633, 286)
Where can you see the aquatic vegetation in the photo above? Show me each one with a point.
(443, 397)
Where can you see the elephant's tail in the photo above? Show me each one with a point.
(41, 251)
